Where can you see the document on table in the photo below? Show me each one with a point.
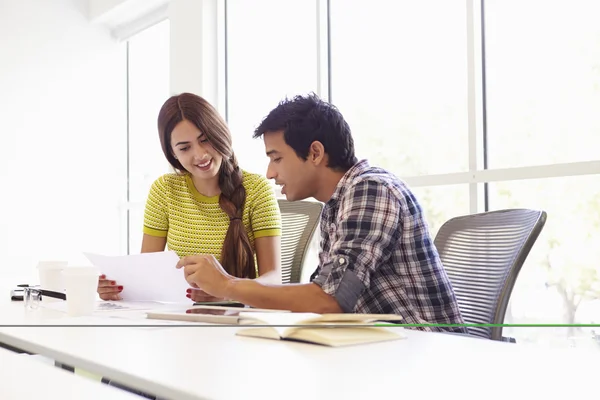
(146, 276)
(124, 305)
(107, 307)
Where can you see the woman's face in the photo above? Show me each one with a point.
(194, 152)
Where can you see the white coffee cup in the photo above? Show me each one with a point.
(50, 274)
(81, 284)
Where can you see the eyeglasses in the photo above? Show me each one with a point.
(32, 297)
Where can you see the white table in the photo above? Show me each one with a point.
(197, 362)
(23, 377)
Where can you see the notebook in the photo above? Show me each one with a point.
(211, 314)
(332, 330)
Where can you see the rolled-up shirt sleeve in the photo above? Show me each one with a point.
(366, 226)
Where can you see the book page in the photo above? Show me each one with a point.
(312, 318)
(325, 335)
(276, 318)
(335, 337)
(358, 318)
(286, 324)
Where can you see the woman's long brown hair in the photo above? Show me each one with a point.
(237, 256)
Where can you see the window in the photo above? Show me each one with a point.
(270, 55)
(440, 203)
(543, 83)
(148, 89)
(400, 80)
(429, 97)
(542, 93)
(560, 280)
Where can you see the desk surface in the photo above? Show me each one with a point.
(199, 362)
(23, 377)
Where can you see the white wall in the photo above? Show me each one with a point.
(62, 134)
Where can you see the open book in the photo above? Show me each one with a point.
(325, 329)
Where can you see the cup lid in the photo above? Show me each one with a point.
(52, 264)
(83, 270)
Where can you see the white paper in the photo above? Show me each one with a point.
(146, 276)
(101, 307)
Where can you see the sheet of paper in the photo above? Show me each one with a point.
(144, 277)
(102, 306)
(121, 309)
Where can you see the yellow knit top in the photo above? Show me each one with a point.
(196, 224)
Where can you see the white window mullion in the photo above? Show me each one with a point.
(194, 50)
(474, 66)
(507, 174)
(323, 49)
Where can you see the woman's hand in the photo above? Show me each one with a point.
(108, 290)
(200, 296)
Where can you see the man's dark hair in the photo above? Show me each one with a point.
(305, 119)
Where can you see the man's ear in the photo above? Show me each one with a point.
(316, 153)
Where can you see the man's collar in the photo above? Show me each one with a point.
(353, 172)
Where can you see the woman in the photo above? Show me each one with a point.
(209, 205)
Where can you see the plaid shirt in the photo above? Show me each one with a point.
(377, 255)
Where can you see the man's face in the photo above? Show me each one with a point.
(295, 175)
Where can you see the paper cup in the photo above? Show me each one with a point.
(81, 284)
(50, 274)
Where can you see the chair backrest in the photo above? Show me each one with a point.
(483, 254)
(299, 221)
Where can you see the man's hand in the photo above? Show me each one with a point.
(205, 272)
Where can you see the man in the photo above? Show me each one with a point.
(377, 255)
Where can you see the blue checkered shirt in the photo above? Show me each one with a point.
(377, 255)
